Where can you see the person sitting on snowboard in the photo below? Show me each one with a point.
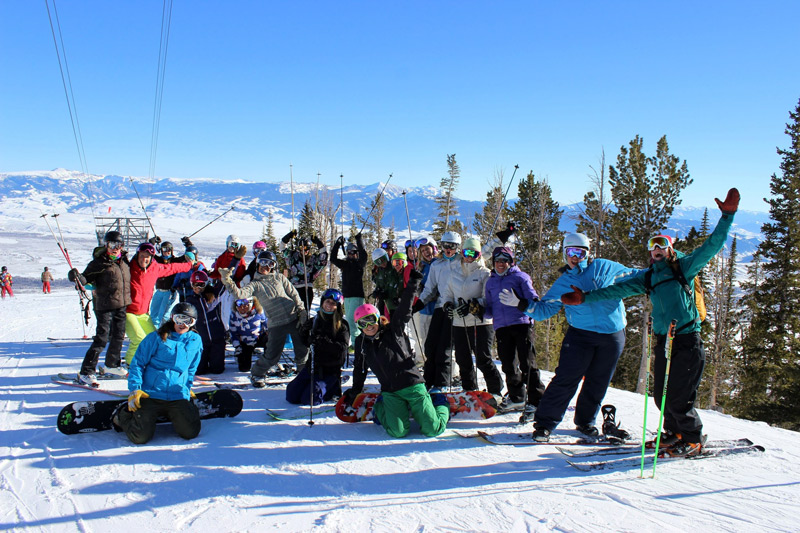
(160, 379)
(383, 346)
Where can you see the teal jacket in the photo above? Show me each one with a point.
(165, 369)
(670, 301)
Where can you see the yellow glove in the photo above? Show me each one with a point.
(135, 400)
(192, 395)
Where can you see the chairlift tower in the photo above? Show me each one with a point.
(133, 230)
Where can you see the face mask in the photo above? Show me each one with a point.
(114, 254)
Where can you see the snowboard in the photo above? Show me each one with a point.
(89, 417)
(464, 404)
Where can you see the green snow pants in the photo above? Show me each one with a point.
(394, 409)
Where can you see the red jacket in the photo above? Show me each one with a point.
(228, 260)
(143, 282)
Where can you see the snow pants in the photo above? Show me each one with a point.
(212, 360)
(438, 368)
(141, 425)
(350, 306)
(584, 355)
(275, 342)
(137, 327)
(477, 340)
(685, 373)
(518, 359)
(392, 412)
(160, 305)
(110, 330)
(46, 287)
(327, 385)
(244, 352)
(6, 289)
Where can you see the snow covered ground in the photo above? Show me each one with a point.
(251, 473)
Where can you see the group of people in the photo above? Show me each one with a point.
(422, 298)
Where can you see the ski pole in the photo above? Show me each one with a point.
(500, 208)
(232, 208)
(668, 355)
(313, 386)
(646, 389)
(376, 203)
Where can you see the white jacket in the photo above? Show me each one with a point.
(468, 282)
(438, 277)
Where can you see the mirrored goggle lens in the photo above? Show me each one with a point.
(115, 245)
(421, 242)
(449, 246)
(147, 248)
(366, 321)
(579, 253)
(166, 249)
(333, 294)
(233, 244)
(660, 242)
(386, 245)
(183, 320)
(409, 242)
(200, 284)
(471, 253)
(266, 263)
(380, 261)
(244, 302)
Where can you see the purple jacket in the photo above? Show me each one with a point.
(504, 315)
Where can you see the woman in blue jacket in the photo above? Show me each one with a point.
(160, 379)
(592, 344)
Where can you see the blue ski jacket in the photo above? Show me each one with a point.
(165, 369)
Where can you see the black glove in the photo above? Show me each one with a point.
(417, 306)
(463, 308)
(475, 308)
(341, 240)
(186, 242)
(73, 275)
(318, 242)
(154, 240)
(289, 236)
(350, 395)
(378, 293)
(448, 309)
(415, 274)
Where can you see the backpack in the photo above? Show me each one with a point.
(695, 289)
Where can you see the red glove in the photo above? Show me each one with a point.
(731, 203)
(573, 298)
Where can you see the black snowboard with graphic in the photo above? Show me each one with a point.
(88, 417)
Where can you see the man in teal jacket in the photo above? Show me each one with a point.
(682, 425)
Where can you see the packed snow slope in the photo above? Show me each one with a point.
(251, 473)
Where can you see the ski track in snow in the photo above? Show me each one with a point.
(252, 473)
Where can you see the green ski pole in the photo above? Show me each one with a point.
(668, 355)
(646, 389)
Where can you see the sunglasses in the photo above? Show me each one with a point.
(578, 253)
(114, 245)
(184, 320)
(450, 246)
(147, 248)
(267, 263)
(658, 242)
(366, 321)
(471, 253)
(244, 302)
(399, 262)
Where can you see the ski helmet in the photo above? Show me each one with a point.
(4, 269)
(258, 247)
(451, 236)
(472, 244)
(113, 236)
(378, 255)
(574, 240)
(427, 241)
(198, 277)
(193, 249)
(166, 246)
(400, 256)
(351, 248)
(304, 242)
(365, 310)
(389, 244)
(267, 259)
(332, 294)
(503, 252)
(184, 308)
(232, 241)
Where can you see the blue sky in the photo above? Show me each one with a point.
(366, 89)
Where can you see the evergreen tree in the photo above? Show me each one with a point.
(482, 225)
(770, 373)
(307, 223)
(448, 210)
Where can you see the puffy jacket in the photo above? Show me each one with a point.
(209, 320)
(228, 261)
(389, 353)
(330, 349)
(111, 280)
(504, 315)
(165, 369)
(245, 329)
(352, 269)
(280, 300)
(606, 316)
(466, 284)
(143, 282)
(438, 278)
(669, 300)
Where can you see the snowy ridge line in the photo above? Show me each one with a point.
(630, 448)
(635, 462)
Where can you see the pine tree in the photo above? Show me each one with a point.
(770, 373)
(307, 223)
(448, 210)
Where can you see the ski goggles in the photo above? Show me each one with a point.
(574, 251)
(388, 246)
(166, 249)
(147, 248)
(658, 241)
(244, 302)
(450, 246)
(114, 245)
(333, 294)
(184, 320)
(200, 284)
(352, 252)
(471, 253)
(411, 243)
(234, 245)
(502, 258)
(422, 241)
(270, 263)
(379, 262)
(366, 321)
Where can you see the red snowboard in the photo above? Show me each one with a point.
(464, 404)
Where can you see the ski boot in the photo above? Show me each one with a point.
(508, 405)
(668, 439)
(682, 449)
(589, 430)
(611, 430)
(527, 414)
(541, 435)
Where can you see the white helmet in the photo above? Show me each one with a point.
(377, 253)
(574, 240)
(232, 240)
(451, 236)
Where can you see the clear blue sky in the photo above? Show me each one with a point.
(366, 89)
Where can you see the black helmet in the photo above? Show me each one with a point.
(113, 236)
(268, 259)
(389, 245)
(192, 249)
(166, 246)
(304, 241)
(184, 308)
(4, 269)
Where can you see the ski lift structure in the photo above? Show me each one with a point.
(133, 230)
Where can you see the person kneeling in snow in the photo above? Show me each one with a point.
(328, 335)
(160, 379)
(384, 347)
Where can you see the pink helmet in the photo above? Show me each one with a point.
(258, 247)
(365, 310)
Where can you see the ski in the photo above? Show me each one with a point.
(241, 385)
(632, 448)
(635, 462)
(524, 439)
(318, 410)
(72, 383)
(98, 377)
